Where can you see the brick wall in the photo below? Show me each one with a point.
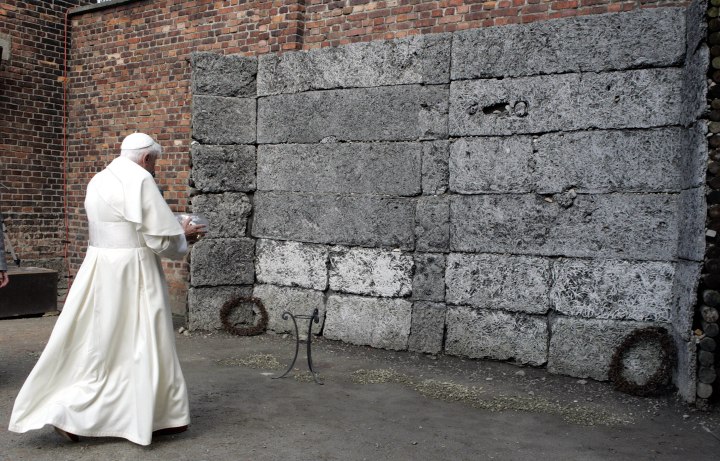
(130, 71)
(31, 128)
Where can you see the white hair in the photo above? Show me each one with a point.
(136, 154)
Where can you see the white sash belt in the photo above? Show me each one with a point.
(115, 235)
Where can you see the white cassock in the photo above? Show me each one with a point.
(110, 367)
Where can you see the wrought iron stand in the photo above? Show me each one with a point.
(312, 318)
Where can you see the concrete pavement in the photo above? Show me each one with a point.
(374, 405)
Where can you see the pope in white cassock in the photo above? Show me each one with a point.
(110, 367)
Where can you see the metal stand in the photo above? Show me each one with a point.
(312, 318)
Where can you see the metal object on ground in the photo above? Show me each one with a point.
(311, 318)
(31, 291)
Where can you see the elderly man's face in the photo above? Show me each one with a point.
(147, 161)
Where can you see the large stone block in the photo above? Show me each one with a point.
(684, 297)
(632, 226)
(376, 322)
(435, 167)
(204, 305)
(694, 164)
(694, 90)
(632, 99)
(432, 226)
(656, 160)
(492, 164)
(481, 333)
(596, 43)
(399, 113)
(417, 59)
(584, 347)
(513, 283)
(363, 168)
(429, 278)
(334, 219)
(223, 168)
(613, 289)
(278, 300)
(222, 262)
(227, 213)
(222, 120)
(219, 75)
(691, 237)
(292, 264)
(428, 325)
(685, 373)
(371, 271)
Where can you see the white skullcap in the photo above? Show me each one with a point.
(137, 141)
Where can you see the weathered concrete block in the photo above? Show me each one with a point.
(222, 262)
(398, 113)
(613, 289)
(694, 90)
(278, 300)
(694, 164)
(221, 120)
(227, 213)
(348, 220)
(584, 347)
(691, 237)
(371, 271)
(494, 164)
(481, 333)
(664, 159)
(435, 167)
(633, 99)
(204, 305)
(429, 278)
(432, 226)
(427, 329)
(376, 322)
(513, 283)
(632, 226)
(365, 168)
(685, 373)
(695, 24)
(223, 168)
(644, 38)
(292, 264)
(684, 297)
(223, 75)
(417, 59)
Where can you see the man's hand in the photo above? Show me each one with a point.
(192, 231)
(4, 279)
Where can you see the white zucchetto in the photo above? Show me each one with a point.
(136, 141)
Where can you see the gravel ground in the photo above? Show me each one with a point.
(373, 405)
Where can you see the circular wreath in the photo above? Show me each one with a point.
(229, 306)
(658, 381)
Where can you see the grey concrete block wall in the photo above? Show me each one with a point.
(297, 301)
(584, 347)
(643, 98)
(582, 44)
(223, 168)
(529, 192)
(377, 322)
(637, 226)
(228, 213)
(363, 168)
(393, 113)
(292, 264)
(204, 304)
(371, 272)
(483, 333)
(416, 59)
